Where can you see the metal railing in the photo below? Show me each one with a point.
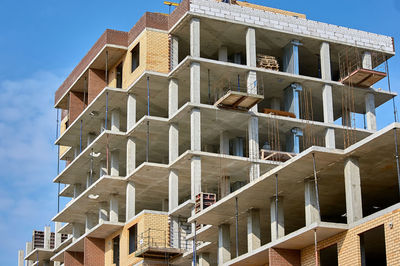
(153, 238)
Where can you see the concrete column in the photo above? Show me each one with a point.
(352, 182)
(280, 219)
(224, 143)
(292, 99)
(173, 151)
(252, 87)
(114, 209)
(57, 235)
(293, 140)
(223, 54)
(76, 231)
(91, 136)
(77, 190)
(195, 82)
(130, 155)
(115, 125)
(195, 167)
(88, 181)
(28, 249)
(90, 222)
(224, 244)
(238, 147)
(173, 100)
(291, 58)
(195, 37)
(327, 104)
(173, 191)
(131, 111)
(325, 58)
(251, 57)
(311, 205)
(253, 230)
(370, 111)
(204, 259)
(103, 168)
(130, 200)
(114, 163)
(275, 103)
(367, 60)
(21, 258)
(174, 51)
(195, 129)
(225, 186)
(103, 213)
(254, 150)
(47, 234)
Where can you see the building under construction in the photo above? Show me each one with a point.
(226, 133)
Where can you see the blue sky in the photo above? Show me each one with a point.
(42, 41)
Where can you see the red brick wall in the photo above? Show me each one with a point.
(96, 83)
(94, 251)
(73, 258)
(284, 257)
(76, 105)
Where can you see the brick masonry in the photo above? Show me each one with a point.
(293, 25)
(96, 83)
(76, 105)
(284, 257)
(73, 258)
(94, 249)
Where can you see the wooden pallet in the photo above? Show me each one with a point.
(267, 62)
(364, 78)
(238, 100)
(278, 112)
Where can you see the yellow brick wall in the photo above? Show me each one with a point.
(154, 56)
(144, 222)
(63, 127)
(348, 243)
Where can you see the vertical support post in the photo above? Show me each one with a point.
(254, 151)
(115, 121)
(131, 111)
(195, 37)
(291, 58)
(76, 231)
(130, 200)
(130, 155)
(103, 213)
(253, 230)
(114, 163)
(224, 244)
(204, 259)
(20, 258)
(174, 52)
(237, 227)
(292, 99)
(57, 235)
(114, 208)
(90, 221)
(311, 206)
(173, 90)
(223, 54)
(47, 235)
(251, 47)
(293, 140)
(352, 181)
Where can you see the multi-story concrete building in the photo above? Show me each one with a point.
(227, 133)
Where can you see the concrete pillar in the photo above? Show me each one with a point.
(77, 190)
(195, 129)
(47, 235)
(173, 151)
(224, 143)
(173, 185)
(325, 58)
(292, 99)
(238, 147)
(251, 57)
(57, 235)
(291, 58)
(370, 115)
(20, 258)
(91, 136)
(173, 100)
(311, 205)
(103, 168)
(327, 104)
(352, 182)
(275, 103)
(254, 150)
(195, 37)
(174, 51)
(223, 54)
(114, 209)
(195, 82)
(90, 222)
(293, 140)
(28, 249)
(130, 155)
(225, 186)
(252, 87)
(224, 244)
(367, 60)
(103, 213)
(115, 125)
(280, 219)
(204, 259)
(88, 180)
(130, 111)
(130, 200)
(76, 231)
(114, 163)
(195, 167)
(253, 230)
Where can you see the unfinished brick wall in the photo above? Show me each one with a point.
(348, 243)
(96, 83)
(157, 52)
(94, 249)
(76, 105)
(73, 258)
(284, 257)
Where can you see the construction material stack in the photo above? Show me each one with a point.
(267, 62)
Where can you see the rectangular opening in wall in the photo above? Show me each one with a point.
(135, 53)
(116, 250)
(372, 245)
(133, 239)
(329, 256)
(119, 76)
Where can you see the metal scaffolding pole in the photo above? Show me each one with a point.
(148, 122)
(237, 227)
(276, 206)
